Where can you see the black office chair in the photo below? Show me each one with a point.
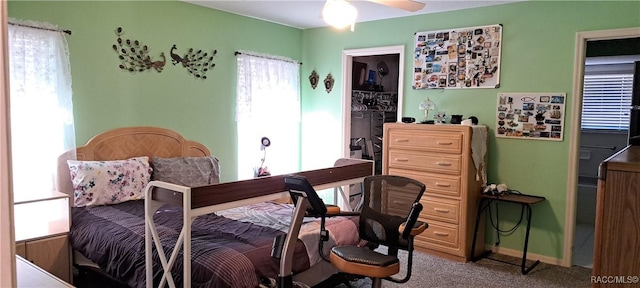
(389, 218)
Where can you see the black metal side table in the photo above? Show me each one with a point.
(522, 199)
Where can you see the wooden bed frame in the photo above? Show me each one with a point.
(123, 143)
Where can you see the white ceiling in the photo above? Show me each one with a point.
(305, 14)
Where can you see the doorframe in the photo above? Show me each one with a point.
(574, 139)
(347, 70)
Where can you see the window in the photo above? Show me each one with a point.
(41, 108)
(606, 101)
(267, 105)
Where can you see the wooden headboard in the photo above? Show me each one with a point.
(123, 143)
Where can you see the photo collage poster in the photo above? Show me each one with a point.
(531, 115)
(458, 58)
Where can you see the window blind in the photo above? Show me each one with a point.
(606, 101)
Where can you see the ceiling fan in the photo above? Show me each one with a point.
(340, 13)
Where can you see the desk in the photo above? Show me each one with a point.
(208, 199)
(525, 201)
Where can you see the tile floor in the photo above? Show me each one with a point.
(583, 245)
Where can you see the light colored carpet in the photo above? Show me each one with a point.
(431, 271)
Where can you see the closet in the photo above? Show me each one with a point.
(369, 111)
(374, 101)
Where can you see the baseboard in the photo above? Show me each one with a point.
(518, 254)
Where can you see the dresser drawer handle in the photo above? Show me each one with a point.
(402, 203)
(447, 164)
(441, 210)
(402, 160)
(437, 233)
(444, 143)
(443, 185)
(402, 140)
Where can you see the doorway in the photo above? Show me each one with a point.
(609, 68)
(372, 77)
(374, 101)
(572, 239)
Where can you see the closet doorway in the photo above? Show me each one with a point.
(372, 95)
(571, 237)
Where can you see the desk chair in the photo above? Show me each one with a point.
(389, 217)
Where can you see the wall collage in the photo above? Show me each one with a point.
(465, 58)
(458, 58)
(530, 115)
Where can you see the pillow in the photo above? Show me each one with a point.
(109, 182)
(187, 171)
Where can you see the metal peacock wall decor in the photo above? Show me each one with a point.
(134, 56)
(197, 63)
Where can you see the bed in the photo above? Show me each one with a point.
(219, 233)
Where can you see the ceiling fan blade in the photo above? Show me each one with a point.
(408, 5)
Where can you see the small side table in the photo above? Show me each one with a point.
(30, 275)
(41, 232)
(522, 199)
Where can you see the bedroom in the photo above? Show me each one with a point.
(539, 44)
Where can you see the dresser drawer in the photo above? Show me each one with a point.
(439, 156)
(437, 184)
(399, 202)
(448, 142)
(425, 161)
(440, 209)
(439, 236)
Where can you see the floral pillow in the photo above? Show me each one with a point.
(109, 182)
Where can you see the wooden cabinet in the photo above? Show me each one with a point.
(41, 230)
(617, 231)
(440, 156)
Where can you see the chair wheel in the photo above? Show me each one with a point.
(272, 283)
(267, 283)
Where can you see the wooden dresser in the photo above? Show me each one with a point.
(617, 231)
(440, 156)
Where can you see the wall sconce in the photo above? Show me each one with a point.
(339, 14)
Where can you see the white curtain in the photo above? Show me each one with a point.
(41, 106)
(267, 105)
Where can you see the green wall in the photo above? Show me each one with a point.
(105, 97)
(537, 56)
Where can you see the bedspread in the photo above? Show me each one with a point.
(226, 248)
(342, 230)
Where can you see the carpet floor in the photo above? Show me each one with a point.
(432, 271)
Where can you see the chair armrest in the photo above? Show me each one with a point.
(332, 210)
(418, 228)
